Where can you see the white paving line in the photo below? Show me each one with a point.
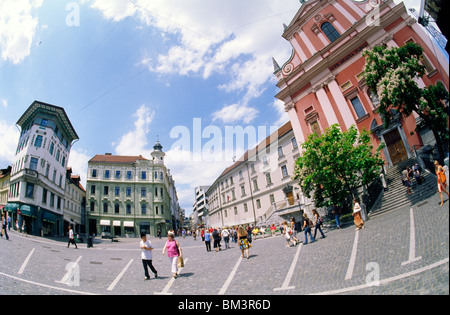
(230, 277)
(412, 242)
(116, 281)
(25, 263)
(288, 279)
(45, 285)
(351, 265)
(169, 285)
(385, 281)
(69, 272)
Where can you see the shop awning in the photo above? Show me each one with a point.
(28, 211)
(116, 223)
(128, 224)
(49, 217)
(12, 207)
(105, 222)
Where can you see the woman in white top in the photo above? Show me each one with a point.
(357, 215)
(287, 234)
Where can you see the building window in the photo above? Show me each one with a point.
(280, 152)
(93, 189)
(33, 164)
(245, 208)
(272, 199)
(235, 211)
(117, 191)
(30, 190)
(268, 179)
(44, 122)
(143, 192)
(330, 31)
(105, 208)
(38, 142)
(128, 191)
(129, 175)
(117, 174)
(116, 208)
(106, 190)
(284, 171)
(128, 209)
(52, 147)
(44, 196)
(156, 175)
(107, 174)
(258, 203)
(94, 173)
(144, 209)
(255, 185)
(92, 206)
(144, 175)
(315, 128)
(294, 143)
(243, 191)
(162, 209)
(157, 210)
(359, 109)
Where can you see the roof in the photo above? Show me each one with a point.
(264, 144)
(108, 158)
(57, 111)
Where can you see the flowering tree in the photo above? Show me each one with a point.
(334, 164)
(392, 73)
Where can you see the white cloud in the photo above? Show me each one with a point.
(9, 138)
(4, 103)
(135, 141)
(17, 28)
(233, 38)
(78, 160)
(283, 117)
(234, 113)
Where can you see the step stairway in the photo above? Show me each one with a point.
(397, 197)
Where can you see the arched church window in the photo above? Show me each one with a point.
(330, 31)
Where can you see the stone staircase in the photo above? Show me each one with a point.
(397, 197)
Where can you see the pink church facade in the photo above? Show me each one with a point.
(323, 83)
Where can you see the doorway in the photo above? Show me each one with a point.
(395, 146)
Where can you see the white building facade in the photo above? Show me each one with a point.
(200, 207)
(37, 183)
(259, 189)
(127, 195)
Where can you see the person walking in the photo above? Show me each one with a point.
(406, 180)
(307, 224)
(71, 239)
(226, 237)
(243, 241)
(337, 211)
(357, 215)
(217, 237)
(207, 238)
(288, 234)
(441, 181)
(4, 227)
(317, 223)
(146, 255)
(173, 252)
(294, 229)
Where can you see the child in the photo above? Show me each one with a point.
(147, 248)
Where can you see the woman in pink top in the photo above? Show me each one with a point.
(173, 251)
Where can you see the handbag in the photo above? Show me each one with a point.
(180, 262)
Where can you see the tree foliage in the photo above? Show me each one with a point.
(392, 74)
(334, 164)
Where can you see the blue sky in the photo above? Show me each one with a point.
(128, 71)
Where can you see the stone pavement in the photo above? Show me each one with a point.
(382, 261)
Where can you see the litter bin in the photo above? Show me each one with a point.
(90, 242)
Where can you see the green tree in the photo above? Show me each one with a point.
(392, 73)
(334, 164)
